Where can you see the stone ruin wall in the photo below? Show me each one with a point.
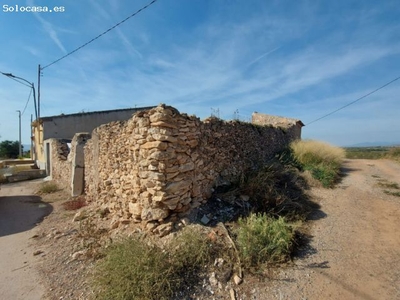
(291, 126)
(160, 164)
(60, 165)
(67, 164)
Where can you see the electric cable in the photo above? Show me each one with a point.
(366, 95)
(100, 35)
(29, 97)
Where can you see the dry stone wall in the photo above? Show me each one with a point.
(67, 163)
(161, 164)
(60, 166)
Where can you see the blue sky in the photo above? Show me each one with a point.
(300, 59)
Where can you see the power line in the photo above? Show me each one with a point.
(29, 97)
(370, 93)
(100, 35)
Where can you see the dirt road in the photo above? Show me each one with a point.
(354, 251)
(20, 211)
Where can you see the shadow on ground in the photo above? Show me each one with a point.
(21, 213)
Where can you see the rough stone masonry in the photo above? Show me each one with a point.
(160, 164)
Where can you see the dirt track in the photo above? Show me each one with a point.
(355, 241)
(19, 213)
(354, 249)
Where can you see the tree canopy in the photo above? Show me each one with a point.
(9, 149)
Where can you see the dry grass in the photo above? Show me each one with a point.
(388, 185)
(322, 160)
(48, 187)
(316, 152)
(136, 269)
(393, 153)
(278, 190)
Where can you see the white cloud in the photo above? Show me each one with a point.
(49, 28)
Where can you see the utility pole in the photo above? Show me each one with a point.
(20, 145)
(32, 152)
(39, 74)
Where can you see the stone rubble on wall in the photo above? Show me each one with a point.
(160, 164)
(60, 165)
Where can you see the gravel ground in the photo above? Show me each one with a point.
(351, 249)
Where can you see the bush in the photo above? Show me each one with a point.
(264, 239)
(191, 249)
(394, 153)
(9, 149)
(48, 187)
(278, 190)
(321, 159)
(133, 269)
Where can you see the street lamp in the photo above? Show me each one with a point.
(29, 84)
(20, 145)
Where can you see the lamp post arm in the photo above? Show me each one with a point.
(16, 77)
(30, 84)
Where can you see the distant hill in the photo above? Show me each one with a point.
(375, 144)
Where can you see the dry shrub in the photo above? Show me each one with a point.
(48, 187)
(321, 159)
(394, 153)
(278, 190)
(136, 269)
(316, 152)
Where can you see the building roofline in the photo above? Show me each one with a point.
(95, 112)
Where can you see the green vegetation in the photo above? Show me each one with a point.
(264, 239)
(9, 149)
(48, 187)
(322, 160)
(134, 269)
(397, 194)
(393, 153)
(391, 188)
(373, 153)
(277, 190)
(388, 185)
(264, 233)
(366, 152)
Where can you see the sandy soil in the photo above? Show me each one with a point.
(354, 252)
(353, 249)
(20, 212)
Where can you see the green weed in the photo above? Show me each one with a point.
(397, 194)
(135, 269)
(264, 239)
(394, 153)
(389, 185)
(321, 159)
(277, 190)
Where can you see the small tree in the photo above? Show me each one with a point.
(9, 149)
